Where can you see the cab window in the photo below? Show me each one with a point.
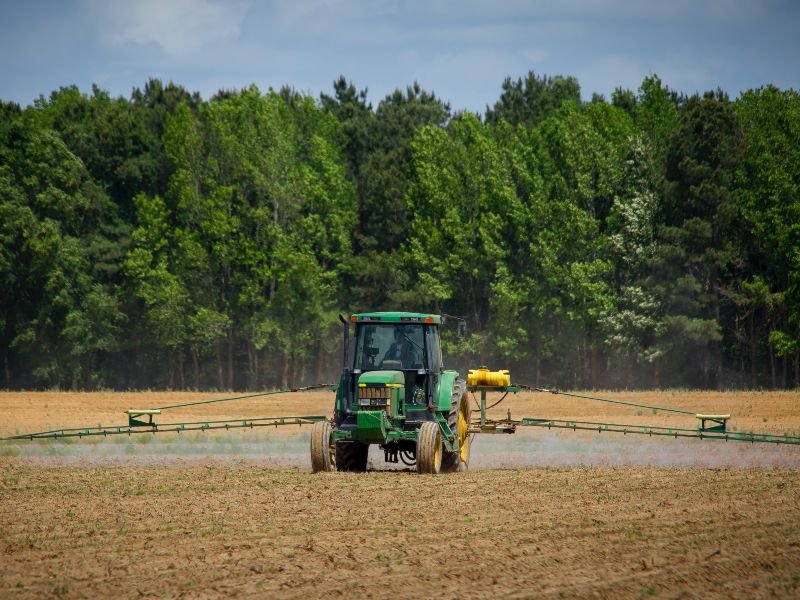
(389, 346)
(434, 349)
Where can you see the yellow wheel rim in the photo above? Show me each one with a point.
(437, 454)
(463, 431)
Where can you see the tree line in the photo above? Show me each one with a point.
(166, 241)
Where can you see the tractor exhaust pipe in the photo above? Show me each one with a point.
(346, 349)
(347, 393)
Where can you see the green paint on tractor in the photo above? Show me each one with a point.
(372, 427)
(395, 392)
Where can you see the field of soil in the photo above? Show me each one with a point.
(540, 513)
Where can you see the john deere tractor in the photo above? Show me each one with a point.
(395, 392)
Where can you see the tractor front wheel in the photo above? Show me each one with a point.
(322, 456)
(429, 448)
(351, 456)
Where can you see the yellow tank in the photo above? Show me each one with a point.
(484, 377)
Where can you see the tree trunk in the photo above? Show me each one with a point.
(220, 378)
(772, 366)
(300, 378)
(538, 369)
(267, 375)
(285, 371)
(785, 368)
(253, 352)
(230, 359)
(196, 368)
(181, 374)
(717, 346)
(320, 361)
(738, 334)
(657, 373)
(248, 374)
(753, 350)
(88, 380)
(293, 371)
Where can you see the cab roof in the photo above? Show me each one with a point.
(396, 317)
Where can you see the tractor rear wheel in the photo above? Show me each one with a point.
(429, 448)
(322, 455)
(351, 456)
(458, 420)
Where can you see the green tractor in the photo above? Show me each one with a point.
(395, 392)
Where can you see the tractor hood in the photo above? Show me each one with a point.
(387, 378)
(379, 398)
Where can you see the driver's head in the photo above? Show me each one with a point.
(400, 334)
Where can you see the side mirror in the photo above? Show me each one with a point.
(461, 332)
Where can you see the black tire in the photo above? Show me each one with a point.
(351, 456)
(458, 460)
(322, 456)
(429, 448)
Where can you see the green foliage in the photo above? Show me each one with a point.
(784, 344)
(531, 100)
(168, 241)
(383, 180)
(462, 186)
(769, 184)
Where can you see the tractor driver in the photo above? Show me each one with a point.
(402, 349)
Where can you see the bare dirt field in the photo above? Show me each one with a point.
(541, 513)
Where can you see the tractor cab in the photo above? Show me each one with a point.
(397, 352)
(394, 344)
(390, 347)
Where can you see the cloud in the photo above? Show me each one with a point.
(461, 49)
(595, 10)
(178, 27)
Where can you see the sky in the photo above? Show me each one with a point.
(461, 50)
